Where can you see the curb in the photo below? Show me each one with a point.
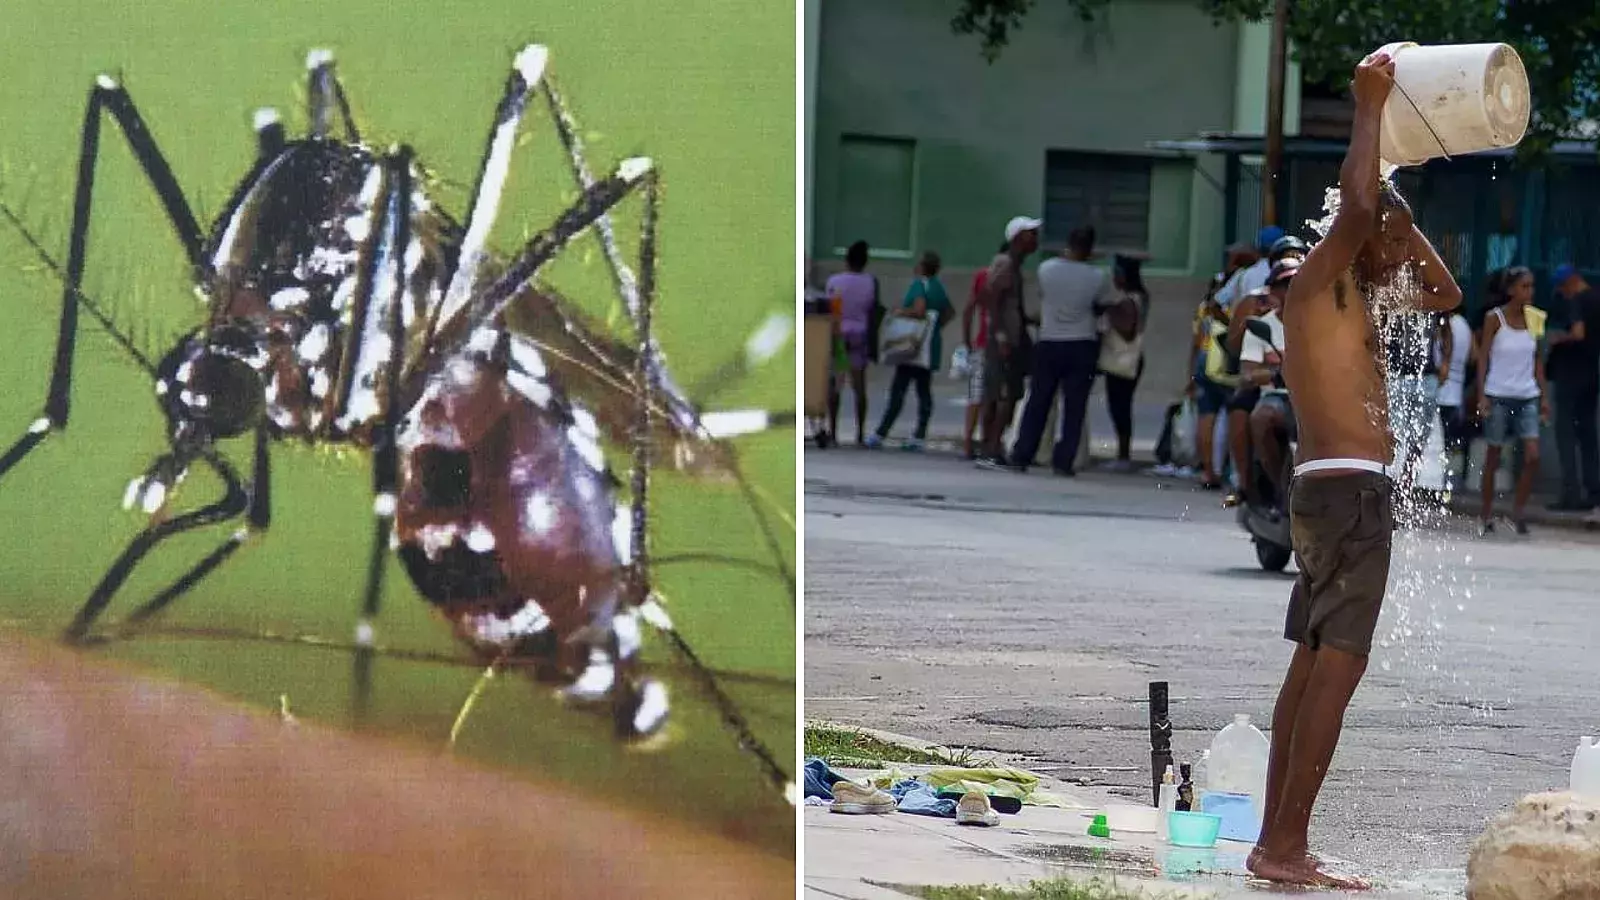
(889, 737)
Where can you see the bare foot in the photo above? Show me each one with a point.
(1305, 870)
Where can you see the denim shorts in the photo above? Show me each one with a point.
(1511, 420)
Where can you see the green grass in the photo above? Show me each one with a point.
(856, 749)
(706, 93)
(1049, 889)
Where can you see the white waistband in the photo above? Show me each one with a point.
(1323, 465)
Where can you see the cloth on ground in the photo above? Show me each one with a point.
(820, 779)
(920, 800)
(996, 782)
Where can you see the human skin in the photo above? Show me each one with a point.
(117, 785)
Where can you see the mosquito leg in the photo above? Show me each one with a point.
(628, 288)
(385, 452)
(270, 135)
(259, 518)
(106, 96)
(323, 94)
(235, 502)
(527, 68)
(641, 597)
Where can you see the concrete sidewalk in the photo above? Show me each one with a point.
(861, 857)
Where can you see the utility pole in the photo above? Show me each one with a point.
(1271, 172)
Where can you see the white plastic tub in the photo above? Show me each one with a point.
(1453, 99)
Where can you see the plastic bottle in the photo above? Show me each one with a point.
(1185, 799)
(1200, 773)
(1168, 802)
(1586, 768)
(1238, 763)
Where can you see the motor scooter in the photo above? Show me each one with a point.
(1266, 516)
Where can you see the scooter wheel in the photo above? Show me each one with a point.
(1272, 557)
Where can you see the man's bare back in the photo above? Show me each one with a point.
(1333, 374)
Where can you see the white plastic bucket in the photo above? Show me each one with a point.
(1453, 99)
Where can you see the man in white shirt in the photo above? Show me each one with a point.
(1272, 420)
(1253, 276)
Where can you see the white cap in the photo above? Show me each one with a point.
(1020, 224)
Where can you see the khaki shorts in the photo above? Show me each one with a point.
(1342, 527)
(1004, 380)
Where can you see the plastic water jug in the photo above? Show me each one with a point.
(1586, 768)
(1453, 99)
(1237, 764)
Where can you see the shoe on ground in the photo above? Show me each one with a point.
(860, 800)
(1521, 526)
(1485, 528)
(973, 809)
(873, 442)
(913, 445)
(1163, 470)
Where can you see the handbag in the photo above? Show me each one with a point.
(904, 341)
(1120, 356)
(875, 318)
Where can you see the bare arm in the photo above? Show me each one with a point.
(1439, 293)
(967, 315)
(999, 286)
(1357, 217)
(1447, 347)
(1491, 324)
(1241, 313)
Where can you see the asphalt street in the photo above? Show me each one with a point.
(1026, 614)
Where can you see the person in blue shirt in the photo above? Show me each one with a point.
(926, 294)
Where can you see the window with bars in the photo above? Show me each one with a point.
(1106, 190)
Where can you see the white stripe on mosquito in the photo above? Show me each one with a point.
(735, 422)
(372, 356)
(584, 441)
(597, 677)
(539, 513)
(530, 65)
(317, 58)
(627, 283)
(527, 356)
(532, 388)
(773, 334)
(626, 627)
(652, 708)
(653, 612)
(622, 534)
(265, 117)
(230, 235)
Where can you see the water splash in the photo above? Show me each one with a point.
(1431, 575)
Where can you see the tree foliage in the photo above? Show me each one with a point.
(1558, 40)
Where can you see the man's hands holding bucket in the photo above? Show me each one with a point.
(1373, 79)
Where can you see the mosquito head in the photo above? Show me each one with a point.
(213, 388)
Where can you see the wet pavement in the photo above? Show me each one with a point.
(1027, 614)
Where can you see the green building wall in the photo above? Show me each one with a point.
(1147, 70)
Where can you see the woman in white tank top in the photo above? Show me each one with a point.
(1511, 393)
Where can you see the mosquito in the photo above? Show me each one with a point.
(345, 307)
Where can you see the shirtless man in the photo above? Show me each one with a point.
(1339, 503)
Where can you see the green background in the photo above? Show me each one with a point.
(705, 88)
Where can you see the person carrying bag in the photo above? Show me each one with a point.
(910, 342)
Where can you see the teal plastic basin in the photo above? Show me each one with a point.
(1192, 829)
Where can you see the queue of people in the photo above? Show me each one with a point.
(1520, 366)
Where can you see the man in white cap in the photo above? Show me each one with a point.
(1007, 357)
